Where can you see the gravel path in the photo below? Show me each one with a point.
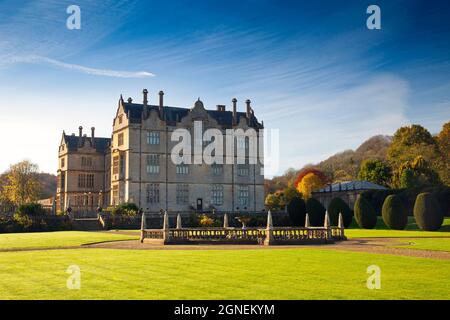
(369, 245)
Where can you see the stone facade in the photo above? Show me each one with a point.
(136, 166)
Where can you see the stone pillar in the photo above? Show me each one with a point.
(327, 225)
(269, 230)
(179, 221)
(307, 224)
(225, 220)
(341, 226)
(143, 226)
(166, 227)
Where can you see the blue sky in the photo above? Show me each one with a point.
(311, 68)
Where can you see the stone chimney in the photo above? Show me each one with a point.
(80, 135)
(249, 108)
(145, 92)
(130, 100)
(234, 111)
(93, 136)
(161, 104)
(220, 107)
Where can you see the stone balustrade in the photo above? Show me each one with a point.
(225, 235)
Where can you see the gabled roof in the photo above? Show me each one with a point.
(351, 185)
(172, 115)
(101, 144)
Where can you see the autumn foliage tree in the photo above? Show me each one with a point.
(21, 183)
(309, 180)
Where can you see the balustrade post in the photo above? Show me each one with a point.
(341, 226)
(166, 235)
(143, 226)
(269, 230)
(327, 225)
(225, 220)
(307, 224)
(179, 221)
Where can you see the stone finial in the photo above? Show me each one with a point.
(130, 100)
(80, 135)
(166, 221)
(225, 220)
(340, 221)
(326, 223)
(179, 221)
(269, 220)
(143, 221)
(307, 224)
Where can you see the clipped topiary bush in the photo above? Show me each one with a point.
(316, 212)
(297, 211)
(365, 214)
(394, 213)
(427, 212)
(336, 206)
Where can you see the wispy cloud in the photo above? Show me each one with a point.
(78, 68)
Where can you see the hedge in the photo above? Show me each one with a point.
(394, 213)
(365, 214)
(427, 212)
(297, 211)
(316, 212)
(336, 206)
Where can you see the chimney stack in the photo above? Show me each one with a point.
(130, 100)
(80, 135)
(145, 92)
(161, 103)
(234, 111)
(220, 107)
(248, 108)
(93, 136)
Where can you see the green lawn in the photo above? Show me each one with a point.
(438, 244)
(412, 230)
(56, 239)
(219, 274)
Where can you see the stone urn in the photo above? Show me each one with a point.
(244, 220)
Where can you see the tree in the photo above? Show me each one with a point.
(336, 206)
(443, 142)
(272, 201)
(316, 212)
(308, 180)
(409, 142)
(427, 212)
(297, 211)
(375, 171)
(394, 213)
(365, 214)
(416, 173)
(22, 185)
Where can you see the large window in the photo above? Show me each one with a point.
(243, 195)
(182, 193)
(86, 161)
(116, 165)
(217, 194)
(115, 193)
(86, 181)
(153, 163)
(120, 139)
(153, 193)
(243, 170)
(182, 168)
(153, 137)
(217, 169)
(63, 162)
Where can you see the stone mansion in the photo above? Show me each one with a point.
(135, 164)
